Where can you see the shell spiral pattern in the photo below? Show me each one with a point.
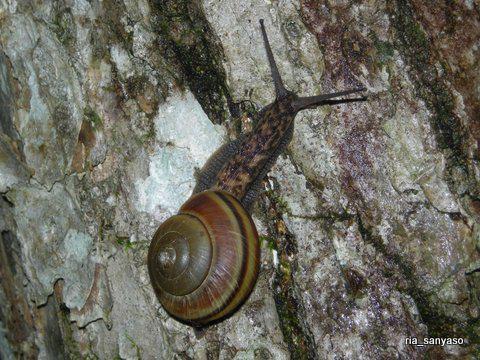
(204, 262)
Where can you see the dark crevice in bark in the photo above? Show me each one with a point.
(415, 47)
(452, 137)
(15, 317)
(291, 312)
(439, 324)
(7, 105)
(189, 41)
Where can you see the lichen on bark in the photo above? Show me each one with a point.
(370, 227)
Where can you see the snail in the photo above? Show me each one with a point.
(203, 262)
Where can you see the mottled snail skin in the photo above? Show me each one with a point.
(203, 263)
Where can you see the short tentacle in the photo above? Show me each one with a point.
(313, 101)
(343, 101)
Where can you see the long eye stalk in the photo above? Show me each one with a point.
(277, 79)
(308, 101)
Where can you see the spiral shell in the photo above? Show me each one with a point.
(204, 262)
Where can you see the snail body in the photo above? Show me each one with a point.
(203, 262)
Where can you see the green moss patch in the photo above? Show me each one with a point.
(384, 49)
(125, 242)
(92, 116)
(189, 41)
(291, 315)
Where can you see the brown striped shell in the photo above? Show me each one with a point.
(203, 262)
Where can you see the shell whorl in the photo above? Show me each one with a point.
(221, 267)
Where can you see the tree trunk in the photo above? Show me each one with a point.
(370, 222)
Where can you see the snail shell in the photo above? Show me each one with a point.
(204, 262)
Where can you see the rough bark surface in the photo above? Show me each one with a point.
(370, 224)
